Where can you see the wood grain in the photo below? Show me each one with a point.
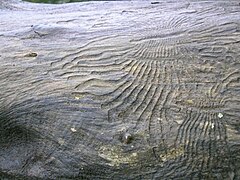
(120, 90)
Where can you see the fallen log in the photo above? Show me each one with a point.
(120, 90)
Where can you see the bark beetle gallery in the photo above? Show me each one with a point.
(120, 90)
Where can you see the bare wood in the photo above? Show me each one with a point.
(120, 90)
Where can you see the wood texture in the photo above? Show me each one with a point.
(120, 90)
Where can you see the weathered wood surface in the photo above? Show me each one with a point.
(120, 90)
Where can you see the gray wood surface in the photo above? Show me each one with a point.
(120, 90)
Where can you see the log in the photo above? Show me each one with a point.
(120, 90)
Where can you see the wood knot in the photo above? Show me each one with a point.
(126, 138)
(31, 54)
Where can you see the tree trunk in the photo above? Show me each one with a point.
(120, 90)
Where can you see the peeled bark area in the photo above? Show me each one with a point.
(120, 90)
